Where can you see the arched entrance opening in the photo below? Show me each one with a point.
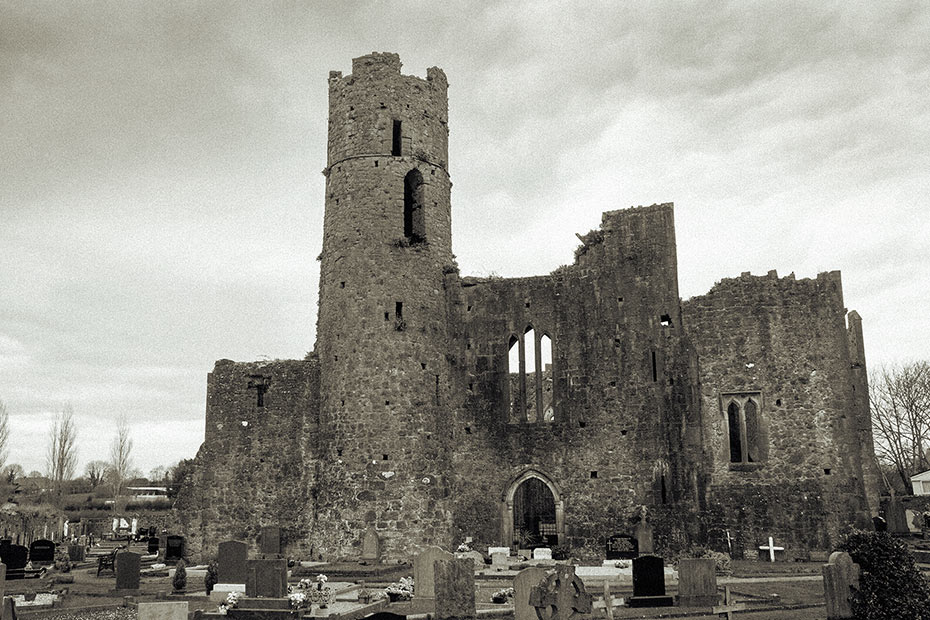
(532, 512)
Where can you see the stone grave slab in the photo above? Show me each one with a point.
(649, 583)
(423, 576)
(561, 596)
(41, 552)
(16, 559)
(232, 556)
(127, 565)
(644, 538)
(266, 578)
(500, 560)
(840, 577)
(542, 553)
(162, 610)
(526, 580)
(622, 547)
(371, 546)
(474, 556)
(493, 550)
(270, 540)
(697, 583)
(454, 588)
(221, 590)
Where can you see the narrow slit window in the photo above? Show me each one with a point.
(414, 207)
(396, 139)
(655, 368)
(399, 310)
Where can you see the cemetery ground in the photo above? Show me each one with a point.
(770, 590)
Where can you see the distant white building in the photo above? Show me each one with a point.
(920, 483)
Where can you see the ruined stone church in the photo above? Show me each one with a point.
(527, 411)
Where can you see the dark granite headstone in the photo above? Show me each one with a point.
(454, 587)
(231, 560)
(174, 548)
(16, 559)
(127, 566)
(266, 578)
(622, 547)
(270, 540)
(153, 545)
(649, 583)
(42, 552)
(76, 552)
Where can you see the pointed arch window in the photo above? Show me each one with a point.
(414, 207)
(530, 377)
(744, 427)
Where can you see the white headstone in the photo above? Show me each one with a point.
(493, 550)
(542, 553)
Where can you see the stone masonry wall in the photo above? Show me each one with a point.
(256, 465)
(619, 433)
(786, 340)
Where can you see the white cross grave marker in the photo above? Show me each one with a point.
(771, 549)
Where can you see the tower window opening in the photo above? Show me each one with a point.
(396, 140)
(530, 377)
(399, 310)
(665, 320)
(414, 207)
(655, 368)
(744, 428)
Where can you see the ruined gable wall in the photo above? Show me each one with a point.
(787, 339)
(259, 473)
(604, 317)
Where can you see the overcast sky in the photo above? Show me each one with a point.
(162, 201)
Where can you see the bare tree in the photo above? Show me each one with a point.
(120, 451)
(4, 433)
(61, 456)
(95, 472)
(900, 401)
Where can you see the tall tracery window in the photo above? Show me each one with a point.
(744, 427)
(529, 377)
(414, 207)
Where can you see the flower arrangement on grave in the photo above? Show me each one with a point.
(502, 595)
(232, 601)
(400, 590)
(463, 548)
(307, 593)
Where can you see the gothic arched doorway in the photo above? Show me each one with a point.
(532, 512)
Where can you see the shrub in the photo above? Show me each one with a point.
(180, 577)
(890, 585)
(210, 579)
(561, 552)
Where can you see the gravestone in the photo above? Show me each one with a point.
(474, 556)
(270, 540)
(371, 546)
(697, 583)
(500, 560)
(266, 578)
(454, 588)
(622, 547)
(423, 577)
(16, 559)
(2, 580)
(174, 548)
(153, 545)
(649, 583)
(8, 610)
(561, 595)
(232, 556)
(493, 550)
(41, 552)
(526, 580)
(840, 578)
(542, 553)
(127, 566)
(644, 538)
(879, 524)
(76, 552)
(895, 516)
(162, 610)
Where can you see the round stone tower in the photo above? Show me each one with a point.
(382, 327)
